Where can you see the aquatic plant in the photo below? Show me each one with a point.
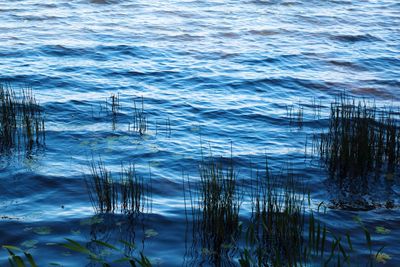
(103, 191)
(141, 260)
(107, 194)
(275, 232)
(283, 232)
(112, 108)
(132, 191)
(114, 104)
(295, 114)
(15, 260)
(361, 140)
(21, 120)
(139, 123)
(215, 209)
(164, 127)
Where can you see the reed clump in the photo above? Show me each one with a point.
(21, 120)
(133, 191)
(113, 104)
(361, 140)
(215, 209)
(128, 194)
(284, 230)
(219, 202)
(295, 115)
(277, 224)
(139, 122)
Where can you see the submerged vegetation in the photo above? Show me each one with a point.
(361, 140)
(129, 194)
(276, 227)
(215, 209)
(113, 106)
(295, 115)
(139, 123)
(21, 120)
(138, 119)
(361, 150)
(283, 229)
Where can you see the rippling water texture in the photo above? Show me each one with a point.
(220, 71)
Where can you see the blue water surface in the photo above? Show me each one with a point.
(212, 75)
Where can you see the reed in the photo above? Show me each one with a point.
(128, 194)
(277, 224)
(285, 231)
(295, 115)
(139, 123)
(102, 189)
(113, 104)
(219, 202)
(361, 140)
(215, 209)
(133, 191)
(21, 120)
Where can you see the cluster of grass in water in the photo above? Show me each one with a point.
(282, 230)
(21, 120)
(138, 121)
(295, 115)
(215, 205)
(361, 140)
(360, 148)
(129, 194)
(276, 227)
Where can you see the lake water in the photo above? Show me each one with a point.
(213, 74)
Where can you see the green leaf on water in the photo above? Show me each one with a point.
(150, 233)
(12, 247)
(382, 230)
(75, 232)
(42, 230)
(155, 163)
(382, 257)
(92, 220)
(195, 128)
(357, 219)
(29, 244)
(84, 143)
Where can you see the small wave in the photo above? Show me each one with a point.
(350, 38)
(374, 92)
(265, 32)
(346, 64)
(103, 2)
(60, 50)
